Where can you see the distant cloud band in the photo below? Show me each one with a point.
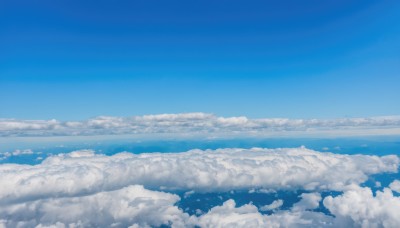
(199, 124)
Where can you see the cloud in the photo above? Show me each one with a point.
(84, 189)
(309, 201)
(132, 205)
(228, 215)
(274, 205)
(359, 207)
(84, 172)
(135, 206)
(356, 207)
(395, 186)
(199, 124)
(5, 155)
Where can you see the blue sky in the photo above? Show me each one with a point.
(298, 59)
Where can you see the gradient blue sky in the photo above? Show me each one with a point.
(73, 60)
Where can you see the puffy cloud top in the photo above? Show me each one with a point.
(132, 205)
(83, 172)
(359, 206)
(84, 189)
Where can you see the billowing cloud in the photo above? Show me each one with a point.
(132, 205)
(135, 206)
(83, 172)
(356, 207)
(309, 201)
(199, 124)
(84, 189)
(359, 207)
(228, 215)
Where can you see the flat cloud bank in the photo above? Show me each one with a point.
(201, 124)
(82, 189)
(84, 172)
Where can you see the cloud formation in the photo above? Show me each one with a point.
(198, 124)
(135, 206)
(395, 186)
(359, 206)
(129, 206)
(356, 207)
(83, 172)
(228, 215)
(274, 205)
(4, 155)
(84, 189)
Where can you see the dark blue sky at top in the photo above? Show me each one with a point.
(299, 59)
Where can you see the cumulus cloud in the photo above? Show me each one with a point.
(198, 124)
(85, 189)
(83, 172)
(356, 207)
(132, 205)
(309, 201)
(359, 207)
(228, 215)
(395, 186)
(135, 206)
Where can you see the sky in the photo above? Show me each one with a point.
(74, 60)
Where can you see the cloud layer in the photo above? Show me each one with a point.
(134, 206)
(199, 124)
(83, 172)
(84, 189)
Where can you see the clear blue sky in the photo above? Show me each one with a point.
(300, 59)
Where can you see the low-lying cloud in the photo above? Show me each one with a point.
(135, 206)
(199, 124)
(83, 172)
(85, 189)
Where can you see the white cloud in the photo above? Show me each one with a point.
(121, 208)
(356, 207)
(359, 207)
(84, 189)
(274, 205)
(395, 186)
(228, 215)
(135, 206)
(5, 155)
(308, 201)
(200, 124)
(189, 193)
(84, 172)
